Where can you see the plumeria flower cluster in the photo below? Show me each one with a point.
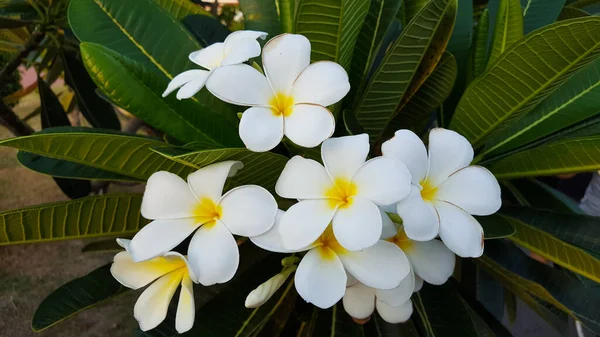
(363, 231)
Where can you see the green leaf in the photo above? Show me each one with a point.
(576, 229)
(379, 18)
(286, 15)
(377, 327)
(443, 312)
(65, 169)
(335, 322)
(508, 29)
(332, 26)
(76, 296)
(517, 271)
(560, 157)
(417, 112)
(524, 75)
(89, 217)
(206, 29)
(582, 3)
(540, 13)
(179, 9)
(410, 9)
(8, 23)
(260, 168)
(571, 13)
(125, 155)
(261, 15)
(540, 195)
(495, 227)
(52, 112)
(574, 101)
(186, 120)
(479, 51)
(401, 73)
(98, 112)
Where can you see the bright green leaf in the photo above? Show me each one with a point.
(508, 29)
(89, 217)
(179, 9)
(524, 75)
(286, 15)
(540, 13)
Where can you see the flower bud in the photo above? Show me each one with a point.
(263, 292)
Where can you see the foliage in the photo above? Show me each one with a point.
(522, 84)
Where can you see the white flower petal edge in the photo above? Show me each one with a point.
(360, 301)
(320, 281)
(238, 47)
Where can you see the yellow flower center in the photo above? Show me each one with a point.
(207, 211)
(341, 193)
(428, 192)
(282, 104)
(402, 241)
(328, 245)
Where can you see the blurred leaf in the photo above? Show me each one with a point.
(179, 9)
(495, 227)
(442, 312)
(260, 168)
(410, 9)
(571, 13)
(286, 15)
(89, 217)
(8, 23)
(490, 294)
(560, 157)
(207, 30)
(332, 26)
(583, 3)
(335, 322)
(540, 13)
(107, 150)
(430, 96)
(184, 119)
(110, 245)
(350, 123)
(508, 29)
(76, 296)
(378, 20)
(511, 306)
(401, 73)
(377, 327)
(98, 112)
(574, 101)
(542, 196)
(261, 15)
(479, 51)
(524, 75)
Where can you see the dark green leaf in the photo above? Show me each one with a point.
(377, 327)
(88, 217)
(508, 29)
(571, 13)
(542, 196)
(410, 9)
(76, 296)
(495, 227)
(582, 3)
(207, 30)
(179, 9)
(261, 15)
(336, 322)
(98, 112)
(490, 293)
(8, 23)
(479, 51)
(540, 13)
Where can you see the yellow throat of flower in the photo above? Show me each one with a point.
(328, 245)
(428, 192)
(402, 241)
(207, 211)
(341, 193)
(281, 104)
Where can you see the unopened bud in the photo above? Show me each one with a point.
(263, 292)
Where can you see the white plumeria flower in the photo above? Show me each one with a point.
(290, 99)
(394, 305)
(445, 190)
(179, 208)
(237, 48)
(346, 193)
(165, 273)
(321, 275)
(431, 261)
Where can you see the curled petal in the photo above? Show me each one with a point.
(167, 196)
(209, 57)
(240, 84)
(240, 46)
(151, 307)
(320, 280)
(208, 182)
(448, 153)
(420, 219)
(388, 228)
(186, 309)
(136, 275)
(195, 78)
(159, 237)
(400, 294)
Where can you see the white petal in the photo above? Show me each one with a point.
(320, 280)
(159, 237)
(383, 180)
(185, 77)
(394, 315)
(208, 182)
(358, 224)
(238, 36)
(271, 240)
(304, 222)
(151, 307)
(260, 129)
(241, 46)
(420, 219)
(324, 83)
(248, 210)
(303, 178)
(388, 229)
(474, 189)
(167, 196)
(240, 84)
(186, 309)
(309, 125)
(359, 301)
(213, 254)
(400, 294)
(124, 243)
(136, 275)
(448, 153)
(284, 57)
(344, 155)
(409, 148)
(191, 88)
(459, 231)
(380, 266)
(431, 260)
(209, 57)
(418, 283)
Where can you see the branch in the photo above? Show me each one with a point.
(12, 122)
(13, 64)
